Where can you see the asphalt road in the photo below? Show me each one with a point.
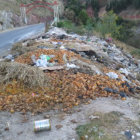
(10, 37)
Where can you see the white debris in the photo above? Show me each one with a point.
(124, 71)
(57, 31)
(91, 117)
(86, 137)
(112, 75)
(138, 134)
(62, 48)
(10, 57)
(133, 137)
(65, 58)
(42, 61)
(102, 42)
(71, 66)
(54, 43)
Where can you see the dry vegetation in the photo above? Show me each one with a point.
(29, 76)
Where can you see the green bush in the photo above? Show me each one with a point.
(108, 25)
(83, 16)
(71, 27)
(65, 24)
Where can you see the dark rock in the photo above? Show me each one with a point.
(131, 90)
(125, 84)
(111, 90)
(59, 126)
(108, 90)
(128, 135)
(123, 94)
(73, 121)
(6, 129)
(62, 37)
(80, 97)
(137, 88)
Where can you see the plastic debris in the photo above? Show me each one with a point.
(123, 94)
(111, 90)
(124, 71)
(62, 47)
(52, 68)
(57, 31)
(42, 125)
(92, 117)
(70, 87)
(65, 58)
(33, 58)
(71, 66)
(43, 61)
(9, 56)
(128, 135)
(112, 75)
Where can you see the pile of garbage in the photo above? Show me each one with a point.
(78, 69)
(51, 55)
(66, 88)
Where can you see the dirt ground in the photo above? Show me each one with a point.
(21, 125)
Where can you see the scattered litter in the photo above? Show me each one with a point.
(71, 66)
(42, 125)
(124, 71)
(26, 58)
(86, 137)
(54, 43)
(91, 117)
(71, 71)
(62, 47)
(43, 47)
(43, 61)
(65, 58)
(138, 134)
(57, 31)
(1, 60)
(109, 40)
(9, 57)
(112, 75)
(7, 126)
(52, 68)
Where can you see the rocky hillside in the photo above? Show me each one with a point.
(11, 14)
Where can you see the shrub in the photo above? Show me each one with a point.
(83, 16)
(71, 27)
(108, 25)
(65, 24)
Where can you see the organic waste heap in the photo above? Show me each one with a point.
(74, 71)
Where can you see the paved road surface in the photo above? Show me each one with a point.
(9, 37)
